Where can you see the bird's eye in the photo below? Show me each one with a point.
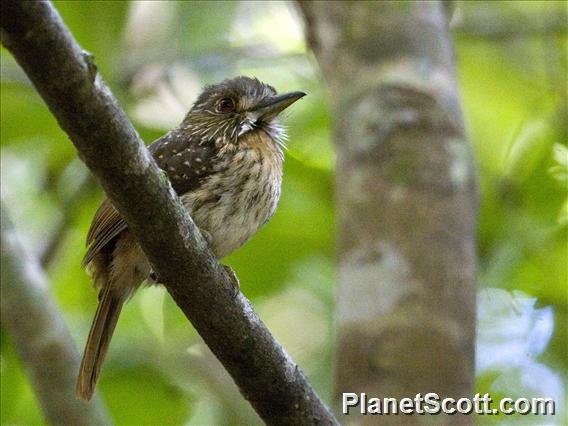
(226, 105)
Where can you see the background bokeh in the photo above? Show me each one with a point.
(511, 66)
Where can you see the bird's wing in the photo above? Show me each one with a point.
(186, 163)
(106, 225)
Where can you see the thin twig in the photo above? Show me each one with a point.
(68, 208)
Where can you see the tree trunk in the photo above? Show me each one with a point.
(406, 202)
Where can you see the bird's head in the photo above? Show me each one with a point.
(227, 110)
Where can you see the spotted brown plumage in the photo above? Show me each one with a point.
(225, 162)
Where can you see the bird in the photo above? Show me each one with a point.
(225, 162)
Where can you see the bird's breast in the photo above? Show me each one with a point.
(241, 196)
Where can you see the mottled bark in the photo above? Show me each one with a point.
(406, 202)
(41, 337)
(67, 79)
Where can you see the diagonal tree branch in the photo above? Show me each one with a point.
(41, 336)
(67, 79)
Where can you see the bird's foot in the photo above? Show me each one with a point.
(207, 236)
(233, 278)
(153, 278)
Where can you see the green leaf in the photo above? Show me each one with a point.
(143, 396)
(528, 150)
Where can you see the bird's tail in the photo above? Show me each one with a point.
(107, 314)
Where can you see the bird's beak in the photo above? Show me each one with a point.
(270, 107)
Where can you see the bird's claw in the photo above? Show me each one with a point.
(233, 278)
(153, 278)
(207, 236)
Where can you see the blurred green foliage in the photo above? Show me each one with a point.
(156, 56)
